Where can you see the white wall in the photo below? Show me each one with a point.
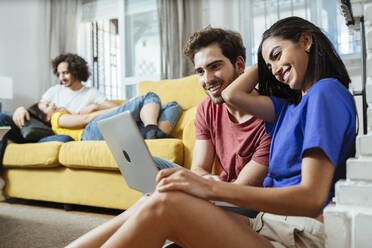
(20, 49)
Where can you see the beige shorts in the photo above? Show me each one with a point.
(289, 231)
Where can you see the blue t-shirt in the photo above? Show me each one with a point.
(325, 119)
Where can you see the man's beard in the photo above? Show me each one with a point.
(219, 99)
(67, 84)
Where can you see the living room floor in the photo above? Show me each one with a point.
(59, 207)
(34, 224)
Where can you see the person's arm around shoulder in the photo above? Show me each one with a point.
(107, 105)
(20, 115)
(97, 107)
(238, 95)
(80, 120)
(203, 158)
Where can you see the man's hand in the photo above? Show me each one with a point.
(91, 108)
(88, 109)
(20, 115)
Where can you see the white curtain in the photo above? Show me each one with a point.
(60, 21)
(92, 10)
(178, 19)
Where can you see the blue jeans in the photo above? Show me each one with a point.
(163, 164)
(61, 138)
(170, 112)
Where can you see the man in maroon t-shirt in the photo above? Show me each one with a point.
(237, 139)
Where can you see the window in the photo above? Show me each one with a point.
(252, 17)
(142, 44)
(99, 44)
(120, 38)
(325, 14)
(103, 55)
(106, 27)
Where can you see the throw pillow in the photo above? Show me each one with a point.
(34, 130)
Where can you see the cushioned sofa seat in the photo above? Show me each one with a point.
(32, 174)
(96, 154)
(98, 188)
(43, 155)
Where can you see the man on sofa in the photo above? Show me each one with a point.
(237, 139)
(70, 94)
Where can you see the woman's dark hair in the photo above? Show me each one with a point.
(77, 66)
(324, 62)
(36, 113)
(230, 42)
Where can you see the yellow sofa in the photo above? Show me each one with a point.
(84, 172)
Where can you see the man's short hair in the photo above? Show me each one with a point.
(231, 43)
(77, 66)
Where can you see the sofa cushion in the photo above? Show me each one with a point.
(35, 155)
(96, 154)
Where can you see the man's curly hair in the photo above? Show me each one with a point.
(77, 66)
(230, 42)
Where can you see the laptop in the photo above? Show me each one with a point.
(132, 155)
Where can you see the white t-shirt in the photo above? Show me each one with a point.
(73, 100)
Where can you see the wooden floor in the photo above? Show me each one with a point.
(76, 209)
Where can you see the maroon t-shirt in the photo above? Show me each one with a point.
(235, 144)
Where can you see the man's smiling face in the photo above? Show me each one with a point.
(64, 75)
(215, 71)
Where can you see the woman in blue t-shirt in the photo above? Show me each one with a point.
(310, 114)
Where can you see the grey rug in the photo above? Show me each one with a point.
(22, 227)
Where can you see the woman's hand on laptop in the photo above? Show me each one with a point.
(181, 179)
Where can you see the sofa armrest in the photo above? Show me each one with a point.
(188, 136)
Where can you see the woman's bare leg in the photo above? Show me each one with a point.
(99, 235)
(187, 220)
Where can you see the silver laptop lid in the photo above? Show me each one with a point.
(130, 151)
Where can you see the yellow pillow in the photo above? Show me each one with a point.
(75, 133)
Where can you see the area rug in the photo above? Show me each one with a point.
(31, 227)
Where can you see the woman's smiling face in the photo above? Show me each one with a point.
(48, 108)
(288, 61)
